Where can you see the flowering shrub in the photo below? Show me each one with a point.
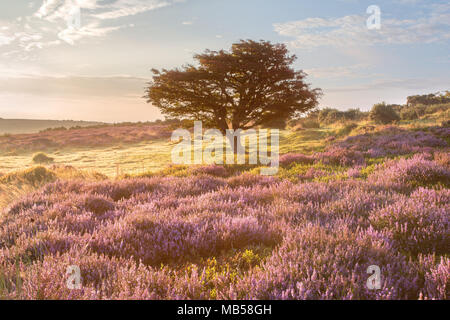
(214, 170)
(288, 159)
(340, 156)
(393, 142)
(216, 235)
(419, 223)
(416, 171)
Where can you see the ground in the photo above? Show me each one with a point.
(345, 198)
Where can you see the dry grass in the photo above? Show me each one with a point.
(91, 137)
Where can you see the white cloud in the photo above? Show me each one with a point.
(71, 35)
(352, 30)
(52, 10)
(57, 21)
(123, 8)
(4, 39)
(380, 85)
(340, 72)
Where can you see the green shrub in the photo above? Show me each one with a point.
(383, 113)
(437, 108)
(42, 158)
(346, 129)
(309, 124)
(329, 116)
(409, 114)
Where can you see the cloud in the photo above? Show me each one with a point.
(123, 8)
(4, 40)
(380, 85)
(53, 10)
(339, 72)
(71, 35)
(36, 83)
(91, 14)
(352, 30)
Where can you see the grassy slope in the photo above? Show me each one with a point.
(151, 155)
(15, 126)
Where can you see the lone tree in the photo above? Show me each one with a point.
(252, 84)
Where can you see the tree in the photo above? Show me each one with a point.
(253, 84)
(383, 113)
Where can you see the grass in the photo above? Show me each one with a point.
(336, 197)
(138, 158)
(141, 158)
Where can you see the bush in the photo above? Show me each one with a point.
(347, 129)
(409, 114)
(33, 176)
(98, 204)
(42, 158)
(309, 124)
(416, 111)
(429, 99)
(383, 113)
(329, 116)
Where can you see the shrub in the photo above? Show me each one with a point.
(409, 114)
(33, 176)
(413, 172)
(98, 204)
(309, 124)
(346, 129)
(445, 123)
(383, 113)
(213, 170)
(339, 156)
(417, 223)
(42, 158)
(329, 116)
(288, 159)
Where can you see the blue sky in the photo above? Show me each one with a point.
(52, 68)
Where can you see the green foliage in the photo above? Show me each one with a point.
(383, 113)
(414, 112)
(224, 88)
(330, 116)
(346, 129)
(429, 99)
(311, 172)
(308, 124)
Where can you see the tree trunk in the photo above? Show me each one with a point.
(234, 143)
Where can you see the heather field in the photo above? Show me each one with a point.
(345, 198)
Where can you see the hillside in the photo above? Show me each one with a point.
(14, 126)
(214, 232)
(347, 196)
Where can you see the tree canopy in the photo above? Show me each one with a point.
(252, 84)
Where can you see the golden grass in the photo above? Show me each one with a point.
(152, 156)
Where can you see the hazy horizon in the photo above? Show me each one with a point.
(97, 70)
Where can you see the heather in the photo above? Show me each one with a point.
(227, 232)
(244, 237)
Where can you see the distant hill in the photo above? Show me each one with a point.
(15, 126)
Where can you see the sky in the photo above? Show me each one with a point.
(91, 59)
